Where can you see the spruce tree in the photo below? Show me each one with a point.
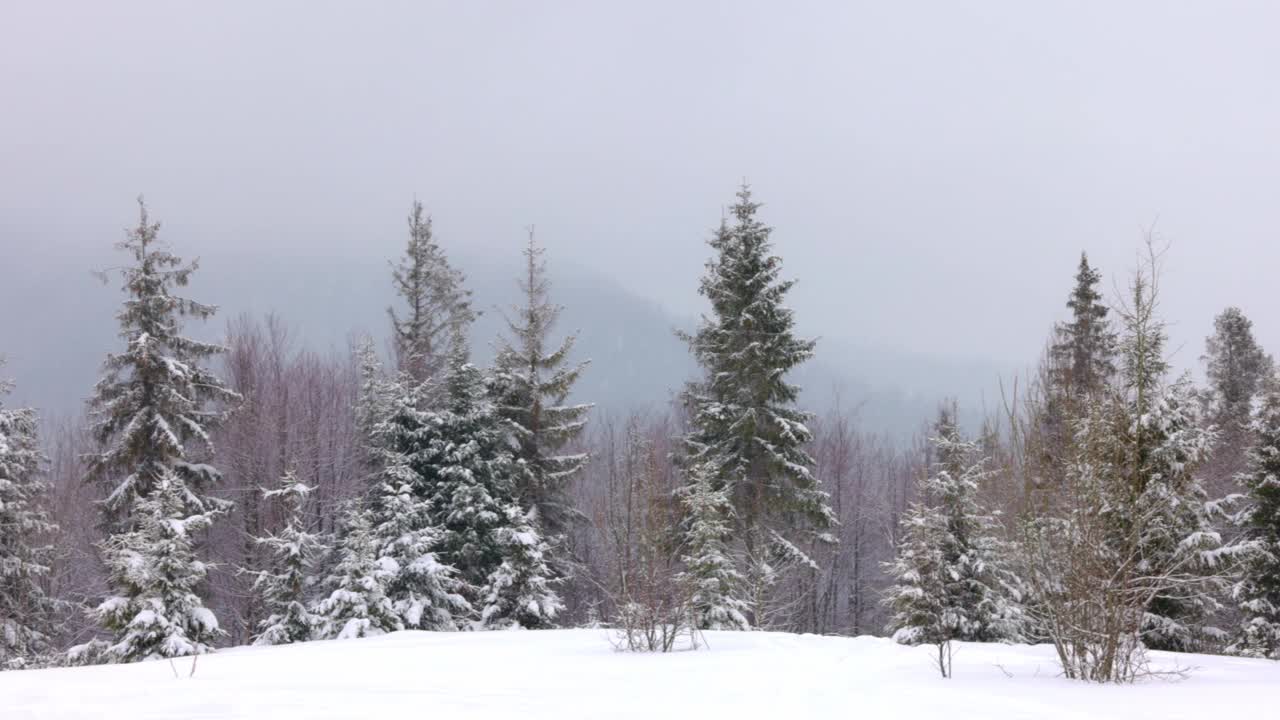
(356, 603)
(424, 591)
(520, 592)
(712, 581)
(1257, 592)
(746, 428)
(154, 570)
(1156, 443)
(1083, 355)
(470, 474)
(26, 611)
(436, 303)
(283, 588)
(153, 411)
(1236, 367)
(532, 380)
(951, 575)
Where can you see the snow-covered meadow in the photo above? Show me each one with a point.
(577, 674)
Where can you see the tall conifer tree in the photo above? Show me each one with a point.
(153, 410)
(532, 379)
(436, 303)
(746, 429)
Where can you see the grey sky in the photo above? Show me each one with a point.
(933, 169)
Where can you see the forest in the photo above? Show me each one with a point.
(259, 491)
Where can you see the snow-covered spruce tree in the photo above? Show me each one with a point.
(152, 412)
(26, 611)
(520, 591)
(1161, 504)
(531, 380)
(745, 426)
(1257, 591)
(1129, 558)
(356, 604)
(425, 592)
(154, 570)
(952, 580)
(470, 475)
(377, 394)
(713, 583)
(283, 588)
(436, 303)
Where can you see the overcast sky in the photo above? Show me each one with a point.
(932, 169)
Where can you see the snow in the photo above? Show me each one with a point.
(536, 675)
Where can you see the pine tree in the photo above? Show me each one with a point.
(283, 588)
(1083, 355)
(531, 382)
(357, 605)
(951, 580)
(1257, 592)
(153, 410)
(712, 581)
(746, 428)
(156, 612)
(425, 592)
(520, 591)
(26, 611)
(437, 303)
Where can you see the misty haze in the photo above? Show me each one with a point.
(941, 330)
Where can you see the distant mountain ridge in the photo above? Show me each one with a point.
(55, 340)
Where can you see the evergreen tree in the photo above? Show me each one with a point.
(437, 305)
(153, 410)
(531, 382)
(424, 591)
(357, 604)
(951, 580)
(745, 426)
(155, 403)
(1236, 368)
(470, 475)
(1257, 593)
(712, 581)
(1083, 356)
(374, 402)
(283, 588)
(520, 591)
(156, 612)
(26, 611)
(1153, 449)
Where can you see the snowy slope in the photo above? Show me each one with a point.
(577, 674)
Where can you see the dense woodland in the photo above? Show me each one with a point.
(261, 491)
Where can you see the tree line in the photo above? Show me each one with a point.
(256, 491)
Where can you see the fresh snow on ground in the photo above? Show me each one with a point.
(521, 675)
